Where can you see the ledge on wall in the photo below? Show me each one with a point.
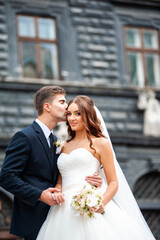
(151, 3)
(73, 87)
(135, 140)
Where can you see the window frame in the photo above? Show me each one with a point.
(142, 50)
(37, 40)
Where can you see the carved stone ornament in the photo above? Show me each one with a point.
(147, 101)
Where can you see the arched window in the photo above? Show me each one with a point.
(147, 193)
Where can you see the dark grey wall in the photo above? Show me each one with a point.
(92, 62)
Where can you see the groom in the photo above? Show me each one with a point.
(29, 170)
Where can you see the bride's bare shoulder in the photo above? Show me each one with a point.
(100, 141)
(102, 146)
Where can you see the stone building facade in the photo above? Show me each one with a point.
(92, 59)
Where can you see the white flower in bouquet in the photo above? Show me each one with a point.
(87, 201)
(92, 200)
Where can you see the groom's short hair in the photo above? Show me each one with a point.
(46, 94)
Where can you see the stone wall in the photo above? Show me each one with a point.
(92, 62)
(94, 22)
(3, 41)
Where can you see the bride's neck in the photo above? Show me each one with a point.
(80, 135)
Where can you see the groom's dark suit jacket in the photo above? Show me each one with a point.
(28, 169)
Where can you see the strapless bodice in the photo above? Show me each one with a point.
(76, 165)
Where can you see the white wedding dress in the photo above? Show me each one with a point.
(61, 224)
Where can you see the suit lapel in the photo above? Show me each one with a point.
(44, 143)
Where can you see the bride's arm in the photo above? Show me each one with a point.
(107, 161)
(59, 182)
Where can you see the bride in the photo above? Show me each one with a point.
(87, 150)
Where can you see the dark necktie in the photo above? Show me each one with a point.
(51, 144)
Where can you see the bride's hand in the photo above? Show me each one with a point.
(95, 180)
(58, 197)
(101, 208)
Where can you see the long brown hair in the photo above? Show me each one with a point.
(89, 117)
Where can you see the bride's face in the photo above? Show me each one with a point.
(74, 117)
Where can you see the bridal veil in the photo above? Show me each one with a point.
(124, 197)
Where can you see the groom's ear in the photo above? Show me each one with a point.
(46, 107)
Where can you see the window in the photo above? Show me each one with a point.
(38, 47)
(142, 56)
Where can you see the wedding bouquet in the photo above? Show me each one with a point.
(87, 201)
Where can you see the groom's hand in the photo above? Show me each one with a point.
(95, 180)
(47, 196)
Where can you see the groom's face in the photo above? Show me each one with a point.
(58, 107)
